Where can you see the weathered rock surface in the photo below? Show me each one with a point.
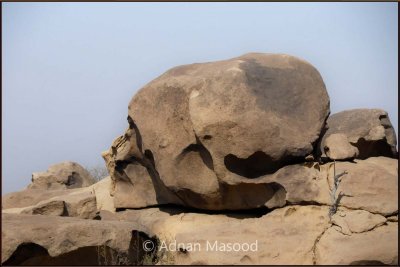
(52, 240)
(232, 155)
(356, 221)
(28, 197)
(376, 247)
(289, 235)
(74, 203)
(215, 126)
(101, 190)
(64, 175)
(284, 236)
(84, 202)
(359, 133)
(338, 147)
(370, 185)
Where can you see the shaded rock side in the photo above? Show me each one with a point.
(359, 133)
(52, 240)
(215, 126)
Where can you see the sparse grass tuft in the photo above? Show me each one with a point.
(335, 199)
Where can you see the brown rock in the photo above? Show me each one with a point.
(367, 130)
(356, 221)
(214, 128)
(287, 235)
(338, 147)
(52, 207)
(64, 175)
(369, 186)
(27, 198)
(53, 240)
(79, 202)
(376, 247)
(102, 191)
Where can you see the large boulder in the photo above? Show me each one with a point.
(64, 175)
(359, 133)
(214, 128)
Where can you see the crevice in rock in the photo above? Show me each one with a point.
(257, 164)
(254, 166)
(132, 125)
(306, 203)
(367, 262)
(203, 152)
(373, 148)
(175, 209)
(314, 247)
(385, 121)
(373, 212)
(317, 144)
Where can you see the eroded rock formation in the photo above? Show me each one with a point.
(236, 151)
(64, 175)
(359, 133)
(215, 130)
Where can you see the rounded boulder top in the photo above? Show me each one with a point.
(206, 126)
(266, 106)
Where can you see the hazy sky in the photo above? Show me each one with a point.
(70, 69)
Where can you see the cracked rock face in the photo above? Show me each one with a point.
(370, 184)
(64, 175)
(204, 133)
(359, 133)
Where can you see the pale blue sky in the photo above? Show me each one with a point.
(70, 69)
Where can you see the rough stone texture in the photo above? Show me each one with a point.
(51, 207)
(104, 200)
(64, 175)
(368, 130)
(80, 202)
(370, 184)
(215, 126)
(339, 147)
(376, 247)
(27, 198)
(52, 240)
(294, 183)
(356, 221)
(284, 236)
